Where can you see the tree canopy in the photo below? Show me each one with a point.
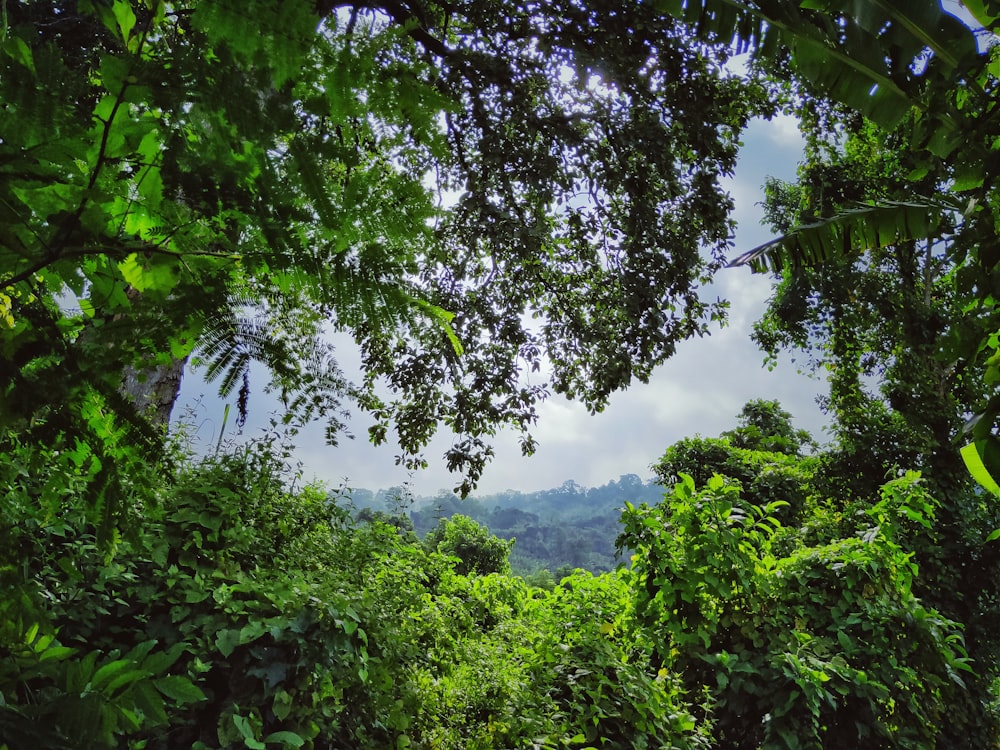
(495, 202)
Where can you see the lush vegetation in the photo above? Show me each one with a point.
(495, 201)
(241, 612)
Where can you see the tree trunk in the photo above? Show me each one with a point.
(154, 390)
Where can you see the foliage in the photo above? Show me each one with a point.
(192, 179)
(58, 689)
(760, 458)
(243, 613)
(931, 90)
(478, 551)
(197, 179)
(897, 330)
(595, 665)
(765, 426)
(824, 647)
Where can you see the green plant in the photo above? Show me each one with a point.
(825, 646)
(477, 550)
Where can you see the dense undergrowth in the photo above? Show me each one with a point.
(240, 610)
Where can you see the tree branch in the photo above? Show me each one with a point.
(410, 19)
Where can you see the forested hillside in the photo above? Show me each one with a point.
(556, 530)
(495, 202)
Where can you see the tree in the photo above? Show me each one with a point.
(760, 458)
(765, 426)
(882, 325)
(888, 327)
(928, 81)
(917, 309)
(799, 643)
(203, 179)
(478, 551)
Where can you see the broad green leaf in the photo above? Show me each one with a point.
(289, 739)
(152, 274)
(161, 661)
(56, 653)
(180, 689)
(282, 704)
(148, 701)
(125, 17)
(128, 677)
(928, 27)
(974, 455)
(18, 50)
(107, 671)
(227, 641)
(985, 12)
(247, 731)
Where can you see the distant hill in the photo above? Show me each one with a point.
(566, 527)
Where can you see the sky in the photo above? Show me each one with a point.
(699, 391)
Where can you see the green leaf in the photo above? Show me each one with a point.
(56, 653)
(282, 704)
(157, 663)
(975, 455)
(227, 641)
(443, 318)
(125, 17)
(180, 689)
(985, 12)
(18, 50)
(286, 738)
(103, 675)
(128, 677)
(149, 702)
(246, 730)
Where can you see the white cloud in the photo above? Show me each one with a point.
(783, 131)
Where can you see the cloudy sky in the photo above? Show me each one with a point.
(699, 391)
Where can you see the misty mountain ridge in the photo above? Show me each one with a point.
(558, 529)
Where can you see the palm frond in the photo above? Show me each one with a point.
(861, 53)
(851, 232)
